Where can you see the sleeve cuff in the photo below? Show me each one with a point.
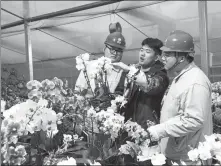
(158, 131)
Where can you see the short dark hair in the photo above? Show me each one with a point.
(153, 43)
(187, 56)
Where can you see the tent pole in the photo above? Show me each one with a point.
(0, 89)
(28, 45)
(61, 12)
(203, 27)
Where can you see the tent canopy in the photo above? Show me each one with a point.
(57, 41)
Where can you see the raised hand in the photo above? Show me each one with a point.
(121, 65)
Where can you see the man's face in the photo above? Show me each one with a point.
(146, 56)
(169, 59)
(115, 54)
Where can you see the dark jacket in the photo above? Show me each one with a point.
(143, 106)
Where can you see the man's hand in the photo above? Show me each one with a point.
(121, 65)
(153, 134)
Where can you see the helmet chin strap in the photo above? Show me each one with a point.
(176, 64)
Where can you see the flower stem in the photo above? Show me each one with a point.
(86, 77)
(32, 117)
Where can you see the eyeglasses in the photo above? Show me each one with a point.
(168, 54)
(114, 51)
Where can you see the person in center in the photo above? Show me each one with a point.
(146, 90)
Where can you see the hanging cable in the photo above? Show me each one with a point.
(12, 50)
(132, 25)
(14, 34)
(48, 33)
(62, 40)
(17, 51)
(12, 13)
(117, 6)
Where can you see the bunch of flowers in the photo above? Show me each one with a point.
(13, 89)
(23, 119)
(118, 102)
(60, 99)
(106, 122)
(138, 142)
(216, 99)
(54, 157)
(99, 66)
(110, 123)
(82, 60)
(13, 155)
(30, 117)
(216, 87)
(51, 90)
(69, 161)
(216, 105)
(96, 71)
(137, 133)
(216, 94)
(209, 149)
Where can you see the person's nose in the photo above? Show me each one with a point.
(142, 54)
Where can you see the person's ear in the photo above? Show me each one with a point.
(157, 57)
(182, 59)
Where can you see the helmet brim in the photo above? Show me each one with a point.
(115, 45)
(164, 48)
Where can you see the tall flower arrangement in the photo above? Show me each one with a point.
(103, 117)
(98, 73)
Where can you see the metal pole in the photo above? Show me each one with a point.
(0, 90)
(203, 28)
(61, 12)
(28, 46)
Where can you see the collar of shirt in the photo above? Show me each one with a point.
(116, 70)
(187, 68)
(145, 70)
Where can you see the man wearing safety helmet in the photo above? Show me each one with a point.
(114, 47)
(186, 115)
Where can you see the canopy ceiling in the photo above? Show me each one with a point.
(67, 36)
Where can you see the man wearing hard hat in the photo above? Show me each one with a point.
(114, 47)
(186, 115)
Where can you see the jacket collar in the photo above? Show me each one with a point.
(157, 66)
(187, 68)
